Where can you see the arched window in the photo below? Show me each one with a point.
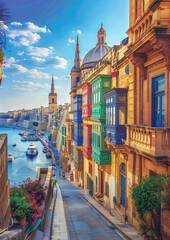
(99, 40)
(52, 100)
(102, 39)
(77, 80)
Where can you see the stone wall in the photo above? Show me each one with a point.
(4, 184)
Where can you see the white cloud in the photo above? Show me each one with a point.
(38, 59)
(33, 84)
(1, 87)
(33, 73)
(9, 61)
(19, 88)
(79, 31)
(20, 53)
(62, 63)
(25, 34)
(4, 76)
(40, 52)
(71, 40)
(16, 23)
(65, 77)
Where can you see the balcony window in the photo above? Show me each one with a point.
(158, 101)
(98, 143)
(121, 115)
(85, 100)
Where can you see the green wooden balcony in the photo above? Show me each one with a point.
(101, 157)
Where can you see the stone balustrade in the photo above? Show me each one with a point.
(150, 140)
(142, 27)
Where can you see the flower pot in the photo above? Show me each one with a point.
(22, 222)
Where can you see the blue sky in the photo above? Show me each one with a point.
(41, 42)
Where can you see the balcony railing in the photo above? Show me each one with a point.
(150, 140)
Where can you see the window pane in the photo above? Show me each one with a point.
(161, 85)
(113, 115)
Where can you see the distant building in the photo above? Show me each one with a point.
(52, 109)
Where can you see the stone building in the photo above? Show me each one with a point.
(4, 184)
(148, 135)
(121, 101)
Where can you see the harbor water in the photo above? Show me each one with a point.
(23, 167)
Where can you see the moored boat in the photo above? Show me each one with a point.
(42, 133)
(14, 145)
(45, 150)
(32, 150)
(29, 138)
(10, 157)
(48, 155)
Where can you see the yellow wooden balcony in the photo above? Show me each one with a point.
(153, 141)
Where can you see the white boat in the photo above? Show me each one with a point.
(10, 157)
(32, 150)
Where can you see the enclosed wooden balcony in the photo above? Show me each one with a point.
(152, 141)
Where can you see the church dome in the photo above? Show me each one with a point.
(98, 52)
(94, 55)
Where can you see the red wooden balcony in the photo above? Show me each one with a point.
(149, 140)
(87, 151)
(86, 107)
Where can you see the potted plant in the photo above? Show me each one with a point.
(20, 216)
(14, 202)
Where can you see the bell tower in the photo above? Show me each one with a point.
(101, 36)
(52, 98)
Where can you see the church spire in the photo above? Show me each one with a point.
(77, 60)
(52, 85)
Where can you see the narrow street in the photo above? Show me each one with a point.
(83, 221)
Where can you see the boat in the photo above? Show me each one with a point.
(24, 139)
(42, 133)
(14, 145)
(10, 157)
(29, 138)
(23, 133)
(48, 155)
(32, 150)
(45, 150)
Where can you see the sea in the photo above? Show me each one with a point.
(23, 167)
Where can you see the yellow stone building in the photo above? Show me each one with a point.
(130, 138)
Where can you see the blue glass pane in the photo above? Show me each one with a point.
(161, 85)
(163, 102)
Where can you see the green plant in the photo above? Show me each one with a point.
(14, 191)
(19, 214)
(151, 194)
(14, 202)
(126, 217)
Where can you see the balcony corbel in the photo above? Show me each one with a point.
(139, 60)
(162, 45)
